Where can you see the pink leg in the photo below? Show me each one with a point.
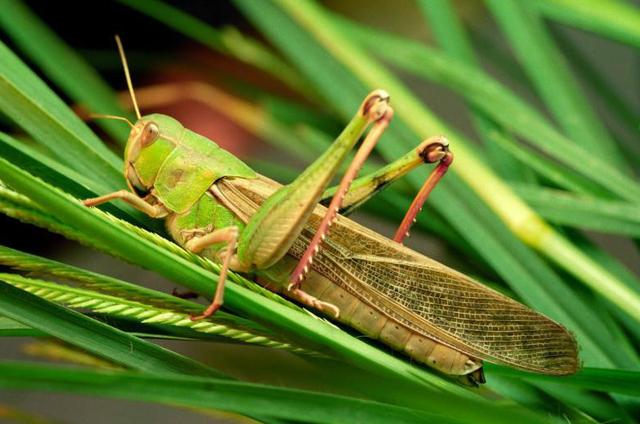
(436, 152)
(332, 210)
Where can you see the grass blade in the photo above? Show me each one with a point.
(549, 71)
(495, 100)
(613, 19)
(554, 173)
(244, 398)
(127, 300)
(94, 336)
(598, 379)
(33, 106)
(62, 176)
(616, 103)
(64, 66)
(563, 208)
(12, 328)
(449, 32)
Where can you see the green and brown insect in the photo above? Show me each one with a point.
(215, 205)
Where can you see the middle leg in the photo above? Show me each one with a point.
(228, 235)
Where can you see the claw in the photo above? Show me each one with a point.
(313, 302)
(212, 309)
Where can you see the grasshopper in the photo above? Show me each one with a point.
(217, 206)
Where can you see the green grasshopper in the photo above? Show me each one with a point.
(216, 206)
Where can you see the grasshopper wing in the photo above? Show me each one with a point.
(444, 304)
(428, 297)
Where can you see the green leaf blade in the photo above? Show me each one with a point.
(244, 398)
(548, 69)
(34, 107)
(94, 336)
(63, 66)
(618, 20)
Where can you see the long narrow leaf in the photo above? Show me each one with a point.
(244, 398)
(62, 176)
(449, 32)
(33, 106)
(616, 19)
(94, 336)
(12, 328)
(548, 69)
(598, 379)
(223, 325)
(495, 100)
(63, 66)
(563, 208)
(552, 172)
(617, 103)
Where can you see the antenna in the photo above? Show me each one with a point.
(123, 58)
(103, 116)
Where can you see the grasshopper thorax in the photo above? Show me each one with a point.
(151, 141)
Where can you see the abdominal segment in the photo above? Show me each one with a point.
(368, 320)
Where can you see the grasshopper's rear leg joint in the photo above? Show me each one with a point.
(375, 105)
(198, 244)
(435, 149)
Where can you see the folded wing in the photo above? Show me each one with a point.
(431, 298)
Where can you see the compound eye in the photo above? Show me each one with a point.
(149, 134)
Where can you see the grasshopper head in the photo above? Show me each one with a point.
(151, 140)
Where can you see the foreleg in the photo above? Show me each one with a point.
(153, 210)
